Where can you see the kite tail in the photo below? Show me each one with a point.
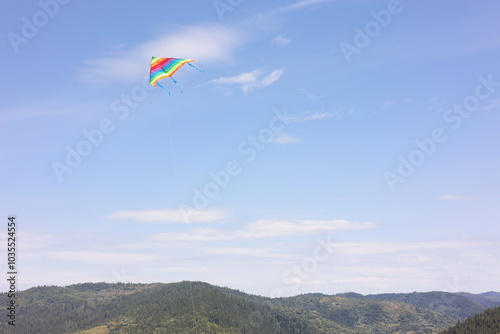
(194, 67)
(177, 84)
(163, 88)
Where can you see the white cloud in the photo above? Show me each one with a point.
(172, 215)
(200, 234)
(405, 266)
(33, 277)
(309, 115)
(281, 40)
(102, 257)
(300, 5)
(242, 79)
(184, 269)
(251, 80)
(207, 43)
(272, 77)
(258, 252)
(264, 229)
(34, 241)
(276, 227)
(451, 197)
(318, 116)
(284, 138)
(372, 248)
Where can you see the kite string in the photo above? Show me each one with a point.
(176, 180)
(176, 186)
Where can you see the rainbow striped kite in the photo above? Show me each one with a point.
(165, 67)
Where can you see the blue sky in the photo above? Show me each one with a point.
(329, 146)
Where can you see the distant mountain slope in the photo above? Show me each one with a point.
(370, 316)
(487, 322)
(196, 307)
(492, 295)
(482, 299)
(453, 305)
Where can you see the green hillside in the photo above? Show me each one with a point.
(186, 307)
(196, 307)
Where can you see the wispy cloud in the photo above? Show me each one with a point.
(300, 5)
(371, 248)
(276, 227)
(309, 95)
(310, 115)
(451, 197)
(258, 252)
(281, 40)
(35, 241)
(172, 215)
(102, 257)
(318, 115)
(251, 80)
(400, 266)
(284, 138)
(242, 79)
(266, 228)
(184, 269)
(207, 43)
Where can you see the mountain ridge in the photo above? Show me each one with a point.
(179, 307)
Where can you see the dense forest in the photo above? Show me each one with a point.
(196, 307)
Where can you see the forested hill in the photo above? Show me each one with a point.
(455, 305)
(487, 322)
(196, 307)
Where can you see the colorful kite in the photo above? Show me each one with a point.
(165, 67)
